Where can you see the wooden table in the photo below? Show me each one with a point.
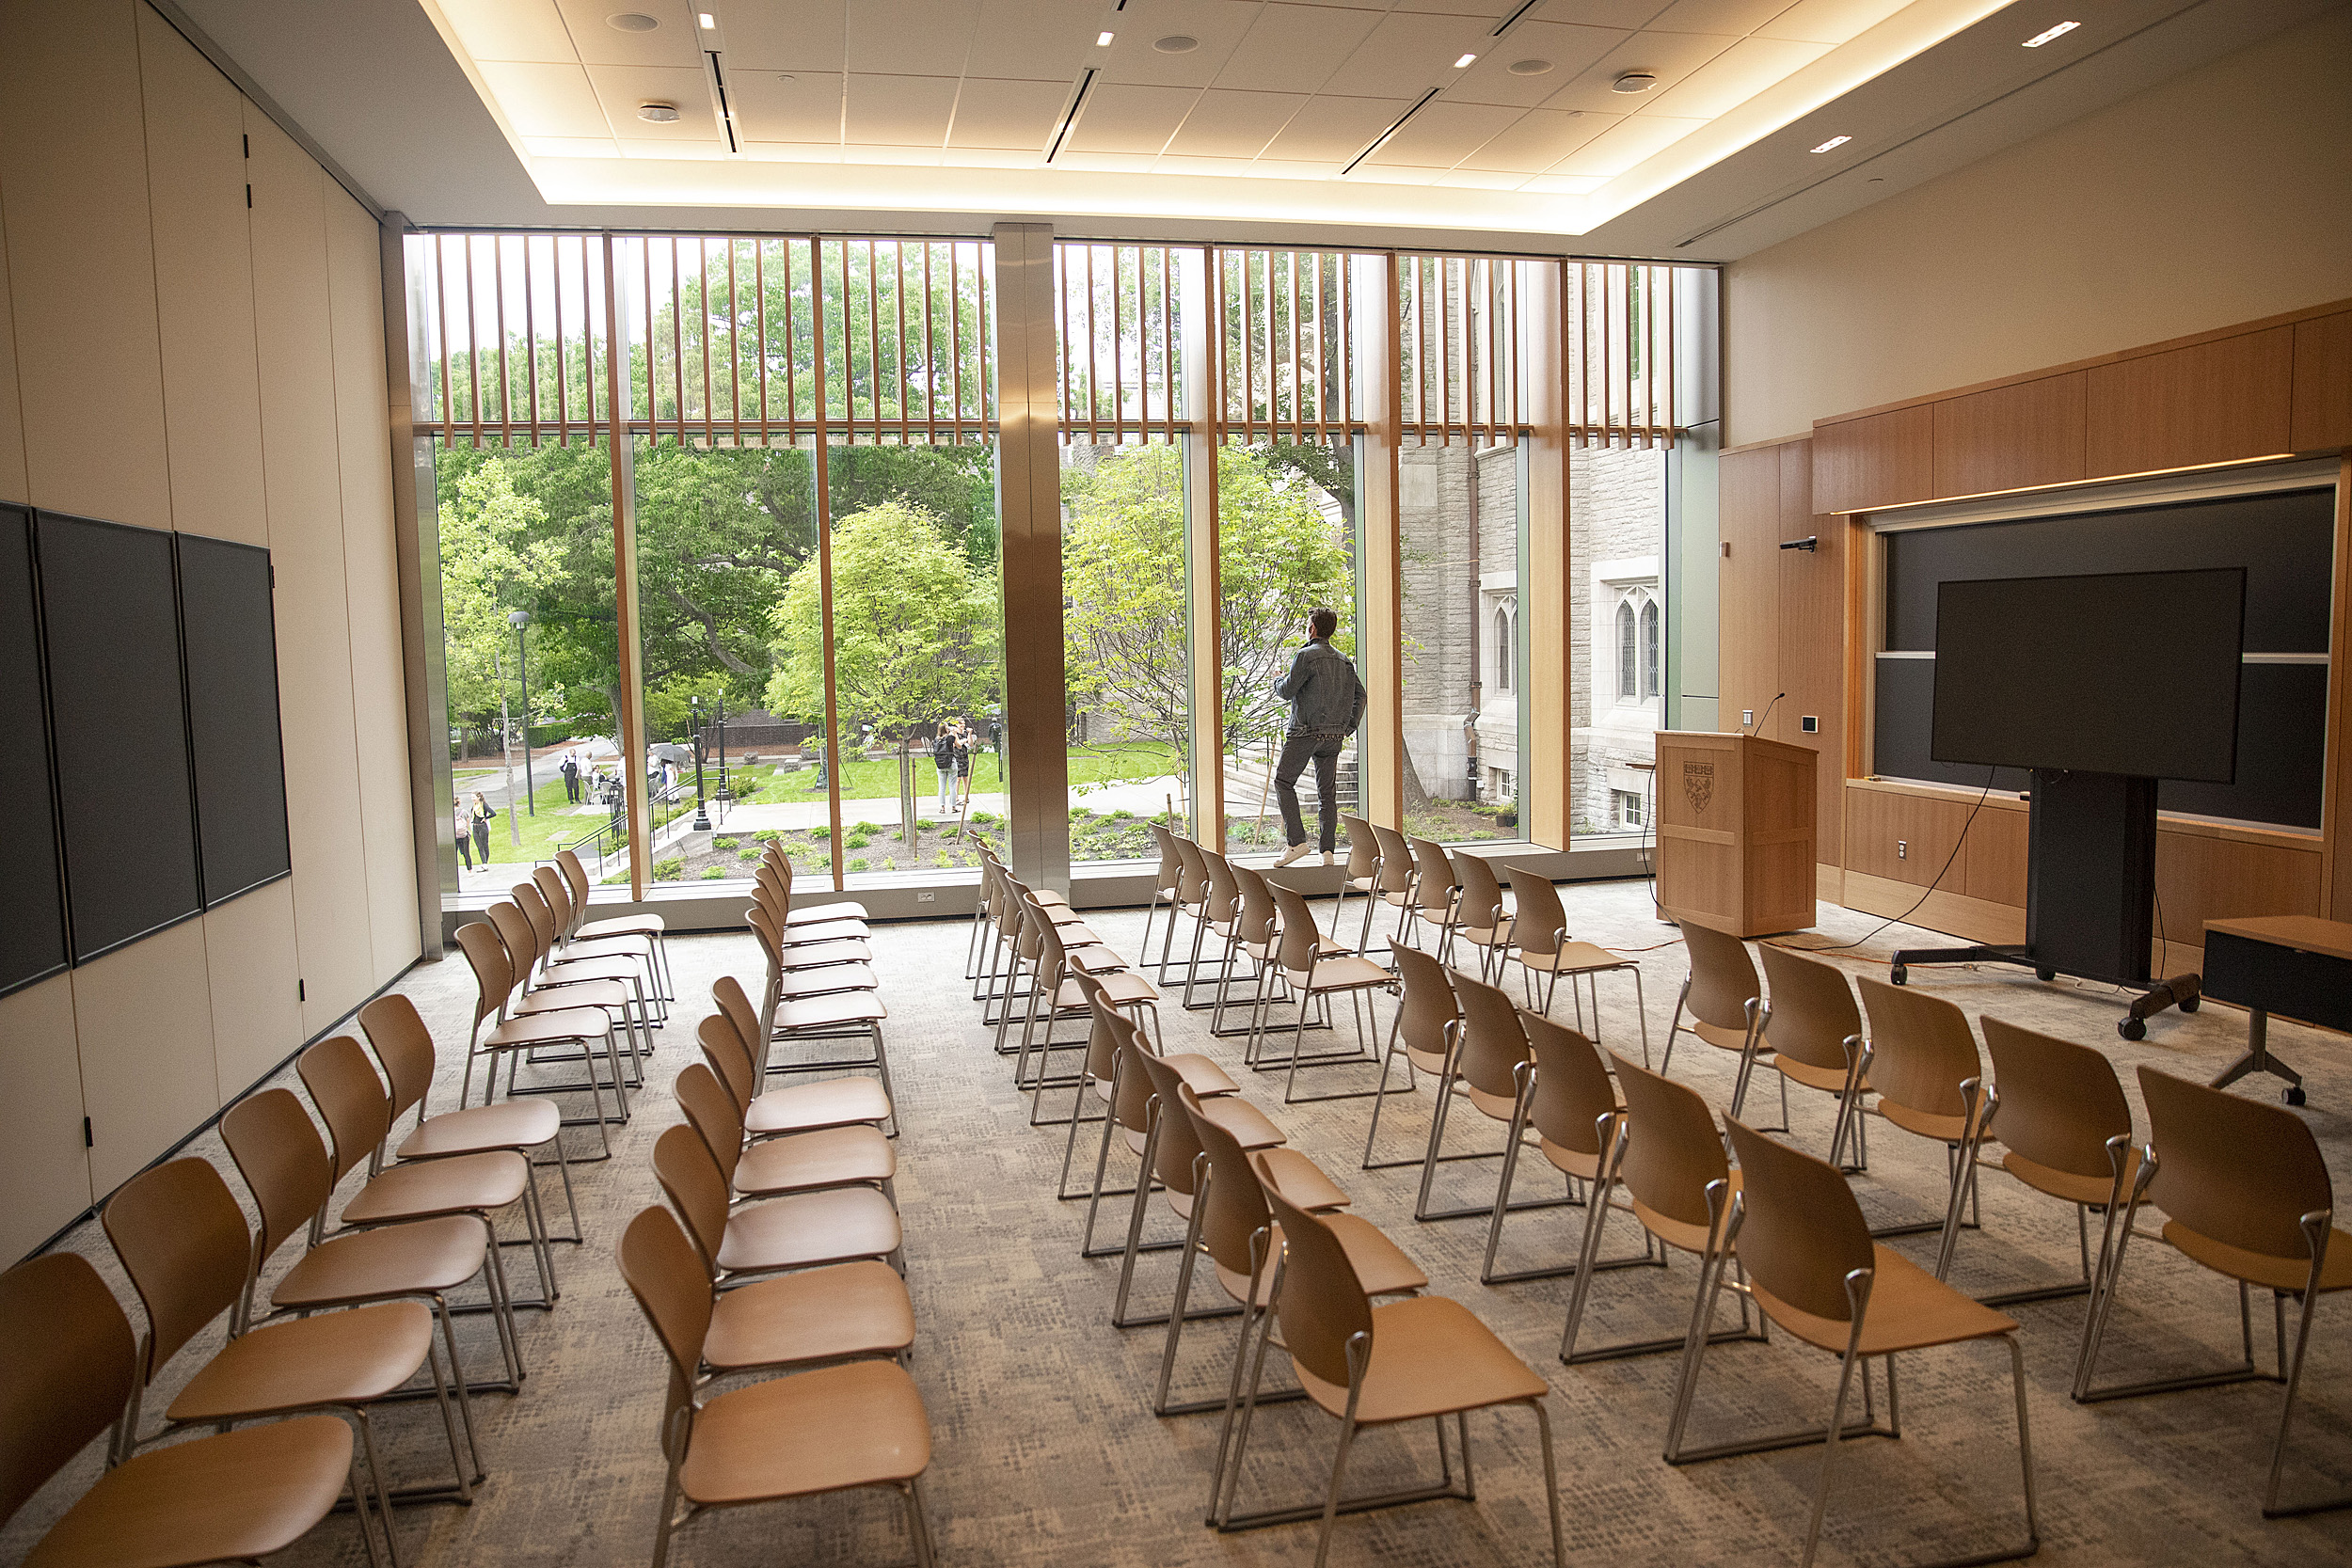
(2294, 964)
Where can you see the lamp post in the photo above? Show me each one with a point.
(725, 792)
(518, 620)
(701, 806)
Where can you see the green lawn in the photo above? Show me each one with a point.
(868, 780)
(542, 836)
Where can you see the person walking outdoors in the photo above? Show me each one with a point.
(480, 815)
(1327, 700)
(571, 769)
(945, 748)
(463, 822)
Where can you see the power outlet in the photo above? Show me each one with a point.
(927, 898)
(1747, 716)
(1902, 849)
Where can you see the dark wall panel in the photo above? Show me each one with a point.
(32, 937)
(118, 710)
(225, 623)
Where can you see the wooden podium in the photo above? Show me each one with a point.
(1735, 832)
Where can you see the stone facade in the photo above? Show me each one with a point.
(1617, 541)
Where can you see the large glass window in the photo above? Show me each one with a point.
(1616, 539)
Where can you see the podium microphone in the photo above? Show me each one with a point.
(1767, 713)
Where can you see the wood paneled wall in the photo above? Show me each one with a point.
(175, 358)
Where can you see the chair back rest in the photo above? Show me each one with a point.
(1101, 1039)
(1813, 1010)
(724, 1050)
(690, 1180)
(2060, 1102)
(1538, 922)
(669, 1283)
(576, 875)
(403, 1044)
(537, 927)
(1723, 978)
(2236, 1170)
(1172, 1157)
(1224, 903)
(279, 1153)
(763, 926)
(1572, 1087)
(1192, 872)
(1481, 909)
(1395, 857)
(183, 1241)
(343, 1085)
(1921, 1051)
(1234, 1204)
(1363, 848)
(493, 976)
(1435, 885)
(1672, 1150)
(1301, 936)
(1427, 1007)
(727, 991)
(68, 1371)
(1053, 959)
(710, 1111)
(1172, 866)
(559, 896)
(1493, 1042)
(1320, 1300)
(1800, 1231)
(1131, 1100)
(1259, 919)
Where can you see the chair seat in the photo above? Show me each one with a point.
(565, 1023)
(1498, 935)
(1682, 1233)
(243, 1495)
(1575, 1162)
(1910, 1309)
(809, 933)
(825, 1314)
(334, 1358)
(509, 1124)
(424, 1189)
(2100, 1189)
(1203, 1077)
(827, 1012)
(859, 1425)
(1346, 973)
(627, 948)
(584, 994)
(827, 1102)
(1719, 1036)
(1574, 957)
(1121, 988)
(373, 1265)
(1927, 1124)
(808, 1229)
(817, 954)
(570, 972)
(1246, 1122)
(1427, 1061)
(622, 926)
(2264, 1269)
(840, 909)
(832, 1157)
(1430, 1356)
(1076, 934)
(1094, 960)
(1830, 1080)
(1381, 1267)
(798, 983)
(1498, 1106)
(1302, 1182)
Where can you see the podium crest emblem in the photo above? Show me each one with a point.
(1698, 783)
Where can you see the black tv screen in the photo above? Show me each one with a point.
(2132, 673)
(228, 631)
(32, 937)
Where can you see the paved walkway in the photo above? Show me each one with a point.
(1245, 783)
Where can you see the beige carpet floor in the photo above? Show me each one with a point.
(1046, 1451)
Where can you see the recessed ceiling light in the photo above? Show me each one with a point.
(1102, 40)
(2058, 32)
(1176, 43)
(658, 114)
(1832, 144)
(786, 76)
(1530, 68)
(707, 20)
(1633, 81)
(1463, 61)
(632, 21)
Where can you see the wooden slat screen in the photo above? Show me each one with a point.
(1285, 352)
(1118, 319)
(1460, 359)
(1618, 358)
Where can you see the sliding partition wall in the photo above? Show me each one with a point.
(728, 528)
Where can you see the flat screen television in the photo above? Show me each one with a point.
(2132, 672)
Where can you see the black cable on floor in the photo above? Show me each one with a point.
(1895, 920)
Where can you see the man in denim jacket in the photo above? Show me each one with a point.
(1327, 702)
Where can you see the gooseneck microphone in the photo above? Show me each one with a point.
(1767, 713)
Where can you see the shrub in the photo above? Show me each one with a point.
(865, 827)
(925, 825)
(723, 844)
(669, 870)
(983, 819)
(858, 864)
(747, 854)
(713, 872)
(1123, 815)
(768, 836)
(857, 841)
(946, 859)
(820, 833)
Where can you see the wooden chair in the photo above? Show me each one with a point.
(2244, 1192)
(1129, 1110)
(1392, 884)
(1167, 885)
(567, 990)
(1193, 872)
(836, 1429)
(838, 912)
(782, 1235)
(1922, 1065)
(1310, 971)
(1421, 1033)
(1809, 1031)
(1167, 1152)
(855, 1159)
(1539, 941)
(1721, 995)
(495, 1035)
(1490, 1067)
(1058, 972)
(1363, 878)
(1566, 1094)
(855, 1014)
(584, 929)
(1422, 1358)
(845, 1102)
(547, 901)
(242, 1496)
(1478, 917)
(1436, 892)
(1812, 1269)
(1096, 1075)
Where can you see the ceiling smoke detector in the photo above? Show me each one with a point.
(632, 21)
(1633, 81)
(1530, 68)
(1176, 43)
(658, 114)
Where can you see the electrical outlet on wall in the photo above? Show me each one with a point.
(1902, 849)
(927, 898)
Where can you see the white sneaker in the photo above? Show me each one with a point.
(1329, 859)
(1296, 852)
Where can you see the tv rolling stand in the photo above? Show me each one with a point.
(2184, 992)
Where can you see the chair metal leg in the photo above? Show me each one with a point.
(2315, 1229)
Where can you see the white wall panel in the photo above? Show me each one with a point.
(249, 962)
(145, 1017)
(42, 1167)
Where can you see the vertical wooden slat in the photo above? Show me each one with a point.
(629, 721)
(474, 348)
(588, 341)
(441, 294)
(824, 530)
(1168, 346)
(563, 383)
(531, 346)
(677, 333)
(955, 330)
(986, 389)
(873, 343)
(759, 293)
(497, 291)
(1094, 398)
(735, 351)
(899, 311)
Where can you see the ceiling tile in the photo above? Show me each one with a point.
(1733, 78)
(1630, 14)
(1538, 141)
(1669, 56)
(601, 44)
(572, 146)
(792, 153)
(1829, 21)
(1734, 18)
(1408, 53)
(912, 37)
(807, 108)
(621, 87)
(1104, 163)
(1007, 113)
(1570, 50)
(1130, 120)
(1227, 124)
(898, 111)
(1626, 144)
(510, 30)
(910, 157)
(1490, 11)
(1443, 134)
(1332, 130)
(1217, 25)
(1034, 39)
(674, 151)
(806, 35)
(547, 99)
(1295, 48)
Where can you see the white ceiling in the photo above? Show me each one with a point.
(940, 114)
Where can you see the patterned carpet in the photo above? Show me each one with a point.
(1046, 1451)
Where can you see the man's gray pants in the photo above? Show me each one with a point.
(1325, 751)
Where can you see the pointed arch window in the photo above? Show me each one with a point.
(1507, 649)
(1627, 689)
(1650, 649)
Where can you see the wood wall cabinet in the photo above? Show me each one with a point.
(2012, 438)
(2220, 402)
(2322, 416)
(1876, 460)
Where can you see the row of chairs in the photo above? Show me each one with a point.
(348, 1327)
(784, 1259)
